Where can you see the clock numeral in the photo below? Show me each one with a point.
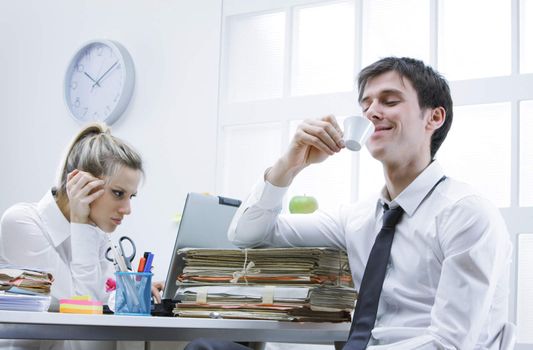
(74, 85)
(100, 50)
(108, 109)
(77, 102)
(80, 67)
(85, 111)
(116, 98)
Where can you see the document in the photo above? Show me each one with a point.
(285, 284)
(24, 289)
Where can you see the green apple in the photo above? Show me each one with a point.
(303, 204)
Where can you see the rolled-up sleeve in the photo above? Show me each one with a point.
(88, 266)
(258, 223)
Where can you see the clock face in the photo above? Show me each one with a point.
(99, 82)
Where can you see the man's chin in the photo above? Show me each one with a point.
(376, 153)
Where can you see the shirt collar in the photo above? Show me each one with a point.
(56, 224)
(413, 195)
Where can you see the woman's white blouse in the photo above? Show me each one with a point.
(37, 235)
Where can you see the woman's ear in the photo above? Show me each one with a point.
(436, 119)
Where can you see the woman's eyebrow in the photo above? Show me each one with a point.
(120, 188)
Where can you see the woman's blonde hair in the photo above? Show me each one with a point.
(96, 151)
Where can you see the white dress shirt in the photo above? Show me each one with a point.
(38, 235)
(446, 285)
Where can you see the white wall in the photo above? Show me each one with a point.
(171, 119)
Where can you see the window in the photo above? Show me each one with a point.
(526, 36)
(474, 38)
(255, 57)
(322, 65)
(395, 28)
(526, 154)
(248, 151)
(477, 150)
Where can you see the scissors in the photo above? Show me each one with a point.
(121, 261)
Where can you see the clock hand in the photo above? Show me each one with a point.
(95, 82)
(103, 75)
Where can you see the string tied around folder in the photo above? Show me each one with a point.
(247, 269)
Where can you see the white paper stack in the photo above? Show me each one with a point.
(24, 289)
(24, 302)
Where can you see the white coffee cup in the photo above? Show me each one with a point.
(357, 129)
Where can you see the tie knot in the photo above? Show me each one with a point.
(391, 216)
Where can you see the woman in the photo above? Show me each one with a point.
(66, 232)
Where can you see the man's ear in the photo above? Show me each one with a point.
(436, 119)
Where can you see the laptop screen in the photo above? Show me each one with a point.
(204, 224)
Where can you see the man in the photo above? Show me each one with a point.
(446, 281)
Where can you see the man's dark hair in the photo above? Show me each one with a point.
(432, 89)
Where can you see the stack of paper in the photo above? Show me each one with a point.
(24, 289)
(290, 284)
(24, 302)
(25, 279)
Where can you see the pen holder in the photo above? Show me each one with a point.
(133, 293)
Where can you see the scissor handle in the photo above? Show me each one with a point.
(109, 258)
(127, 258)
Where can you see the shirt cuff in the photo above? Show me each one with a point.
(271, 196)
(85, 242)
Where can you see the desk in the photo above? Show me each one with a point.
(44, 325)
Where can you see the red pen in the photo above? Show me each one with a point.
(142, 262)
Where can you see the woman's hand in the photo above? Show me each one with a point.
(82, 189)
(157, 287)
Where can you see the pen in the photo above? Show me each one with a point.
(148, 265)
(142, 262)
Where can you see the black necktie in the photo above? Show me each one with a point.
(367, 301)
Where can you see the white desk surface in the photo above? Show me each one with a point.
(44, 325)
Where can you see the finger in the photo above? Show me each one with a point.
(314, 141)
(160, 285)
(85, 183)
(330, 125)
(72, 174)
(320, 131)
(156, 295)
(90, 198)
(92, 186)
(338, 136)
(76, 181)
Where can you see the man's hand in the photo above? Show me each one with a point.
(82, 189)
(157, 287)
(314, 141)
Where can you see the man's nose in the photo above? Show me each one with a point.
(373, 111)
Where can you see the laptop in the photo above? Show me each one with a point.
(204, 224)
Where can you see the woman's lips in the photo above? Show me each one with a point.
(116, 221)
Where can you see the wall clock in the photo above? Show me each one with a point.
(99, 82)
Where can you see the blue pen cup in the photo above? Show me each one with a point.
(133, 293)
